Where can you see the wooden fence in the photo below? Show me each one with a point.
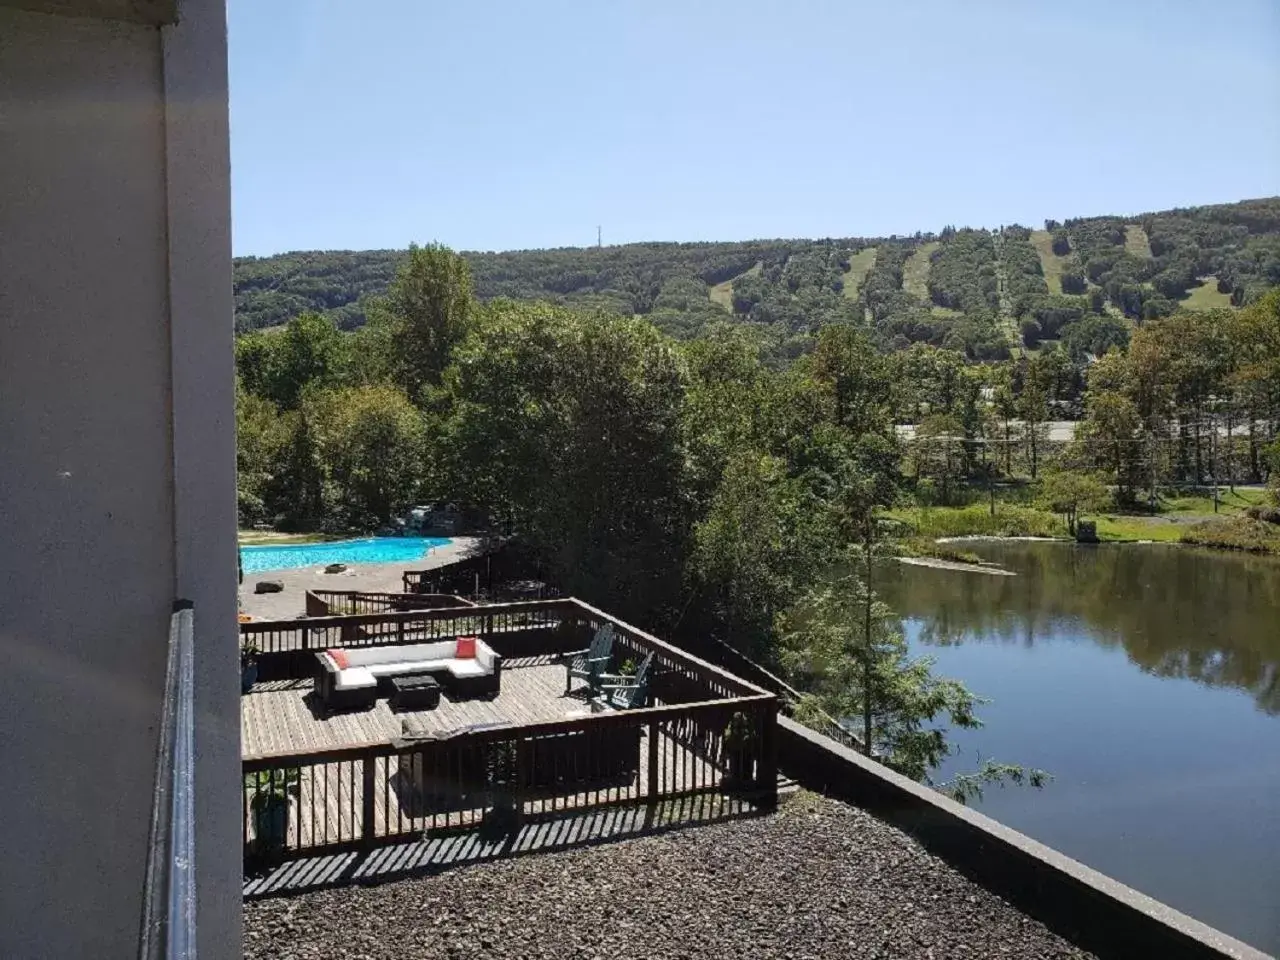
(361, 796)
(504, 571)
(286, 647)
(326, 603)
(531, 628)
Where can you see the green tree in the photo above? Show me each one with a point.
(1069, 494)
(939, 453)
(845, 649)
(1033, 407)
(309, 352)
(570, 425)
(262, 436)
(731, 404)
(424, 315)
(296, 492)
(749, 550)
(1111, 438)
(1255, 334)
(370, 444)
(853, 376)
(1005, 403)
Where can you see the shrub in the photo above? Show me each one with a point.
(1265, 514)
(1234, 533)
(976, 520)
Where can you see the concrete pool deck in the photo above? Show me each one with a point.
(376, 577)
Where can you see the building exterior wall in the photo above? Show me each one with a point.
(117, 477)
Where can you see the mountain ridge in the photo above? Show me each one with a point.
(982, 290)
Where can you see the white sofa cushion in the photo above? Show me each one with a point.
(408, 666)
(354, 678)
(369, 663)
(401, 653)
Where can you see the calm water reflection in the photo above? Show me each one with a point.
(1146, 679)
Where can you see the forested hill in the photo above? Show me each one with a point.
(1083, 281)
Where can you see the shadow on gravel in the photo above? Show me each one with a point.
(445, 850)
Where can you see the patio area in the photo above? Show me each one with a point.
(282, 716)
(320, 783)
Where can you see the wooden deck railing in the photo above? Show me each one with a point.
(360, 796)
(789, 697)
(529, 628)
(461, 576)
(326, 603)
(707, 731)
(371, 629)
(490, 573)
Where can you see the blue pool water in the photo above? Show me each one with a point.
(369, 550)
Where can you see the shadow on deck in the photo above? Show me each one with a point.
(462, 847)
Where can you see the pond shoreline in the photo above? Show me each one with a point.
(1146, 541)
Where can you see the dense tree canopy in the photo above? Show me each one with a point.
(984, 293)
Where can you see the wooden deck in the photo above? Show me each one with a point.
(283, 717)
(397, 791)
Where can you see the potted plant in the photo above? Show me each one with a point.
(248, 666)
(269, 792)
(737, 752)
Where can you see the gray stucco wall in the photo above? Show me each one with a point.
(101, 525)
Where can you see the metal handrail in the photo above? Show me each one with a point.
(169, 897)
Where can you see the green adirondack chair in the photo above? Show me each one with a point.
(591, 663)
(627, 693)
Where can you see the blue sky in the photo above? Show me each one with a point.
(500, 125)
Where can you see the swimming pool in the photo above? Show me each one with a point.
(368, 550)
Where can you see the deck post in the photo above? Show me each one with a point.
(767, 771)
(306, 638)
(367, 825)
(654, 787)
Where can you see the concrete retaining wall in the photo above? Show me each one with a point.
(1092, 910)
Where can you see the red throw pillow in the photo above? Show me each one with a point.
(466, 648)
(339, 657)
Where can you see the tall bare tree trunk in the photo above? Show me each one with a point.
(1199, 458)
(1254, 473)
(868, 657)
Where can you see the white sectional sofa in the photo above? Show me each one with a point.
(348, 678)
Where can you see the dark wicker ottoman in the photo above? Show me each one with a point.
(415, 691)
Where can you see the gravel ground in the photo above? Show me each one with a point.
(817, 879)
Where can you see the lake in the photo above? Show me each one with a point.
(1146, 680)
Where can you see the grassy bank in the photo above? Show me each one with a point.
(1125, 527)
(1229, 501)
(976, 520)
(1230, 532)
(1235, 533)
